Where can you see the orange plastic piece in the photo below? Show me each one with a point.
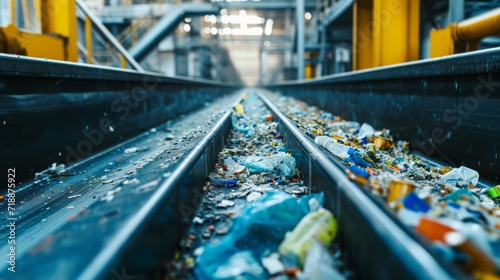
(358, 179)
(485, 276)
(291, 271)
(269, 117)
(432, 229)
(371, 171)
(479, 260)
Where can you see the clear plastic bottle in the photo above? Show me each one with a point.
(340, 150)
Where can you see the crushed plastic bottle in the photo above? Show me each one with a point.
(280, 163)
(317, 226)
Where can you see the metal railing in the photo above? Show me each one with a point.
(98, 40)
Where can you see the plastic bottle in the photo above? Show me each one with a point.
(340, 150)
(318, 226)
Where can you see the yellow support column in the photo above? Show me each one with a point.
(386, 32)
(59, 17)
(88, 40)
(310, 71)
(13, 11)
(362, 48)
(123, 60)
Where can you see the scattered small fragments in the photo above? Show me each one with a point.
(448, 206)
(254, 191)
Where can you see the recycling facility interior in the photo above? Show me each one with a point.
(238, 139)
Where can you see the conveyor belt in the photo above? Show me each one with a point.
(118, 227)
(101, 227)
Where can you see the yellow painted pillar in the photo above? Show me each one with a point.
(362, 34)
(88, 40)
(310, 71)
(13, 11)
(386, 32)
(59, 17)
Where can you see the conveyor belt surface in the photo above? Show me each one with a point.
(139, 223)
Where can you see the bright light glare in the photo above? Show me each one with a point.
(213, 31)
(252, 31)
(308, 16)
(239, 19)
(213, 19)
(187, 27)
(268, 29)
(206, 30)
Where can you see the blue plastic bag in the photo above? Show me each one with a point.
(260, 228)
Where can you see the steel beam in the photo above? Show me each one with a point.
(266, 5)
(333, 13)
(456, 10)
(299, 26)
(165, 25)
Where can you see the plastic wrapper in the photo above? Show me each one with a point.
(319, 265)
(280, 163)
(365, 130)
(260, 228)
(463, 174)
(243, 265)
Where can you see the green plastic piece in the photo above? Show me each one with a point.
(494, 192)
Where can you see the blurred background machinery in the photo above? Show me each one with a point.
(256, 42)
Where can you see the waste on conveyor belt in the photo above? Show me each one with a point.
(256, 220)
(444, 205)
